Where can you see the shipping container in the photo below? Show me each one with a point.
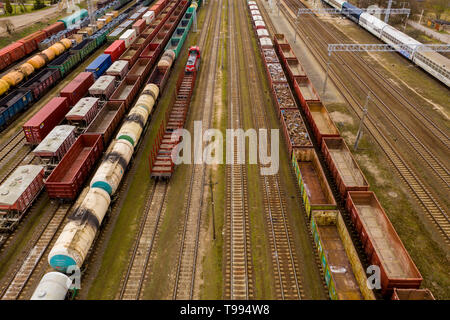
(107, 120)
(128, 36)
(69, 176)
(55, 145)
(315, 190)
(343, 272)
(83, 112)
(343, 166)
(118, 69)
(116, 49)
(18, 192)
(126, 91)
(139, 26)
(294, 130)
(382, 243)
(37, 128)
(78, 87)
(99, 65)
(320, 121)
(141, 69)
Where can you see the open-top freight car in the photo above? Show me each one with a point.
(14, 103)
(18, 192)
(107, 120)
(343, 272)
(412, 294)
(343, 166)
(126, 91)
(315, 190)
(320, 121)
(70, 174)
(382, 243)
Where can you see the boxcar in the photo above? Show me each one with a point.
(78, 87)
(103, 87)
(116, 49)
(382, 243)
(99, 65)
(70, 174)
(37, 128)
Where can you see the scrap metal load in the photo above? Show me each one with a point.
(344, 275)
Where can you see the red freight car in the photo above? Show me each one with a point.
(343, 166)
(141, 69)
(283, 97)
(78, 87)
(42, 82)
(412, 294)
(116, 49)
(382, 243)
(294, 69)
(131, 54)
(294, 130)
(31, 42)
(37, 128)
(83, 112)
(320, 121)
(54, 28)
(305, 91)
(70, 174)
(13, 52)
(139, 26)
(107, 119)
(55, 145)
(21, 187)
(126, 91)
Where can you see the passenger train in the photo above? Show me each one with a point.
(431, 61)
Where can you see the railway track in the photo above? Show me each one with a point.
(284, 258)
(417, 187)
(188, 252)
(238, 269)
(14, 143)
(137, 269)
(18, 286)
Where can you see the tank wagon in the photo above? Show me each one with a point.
(432, 62)
(319, 198)
(103, 186)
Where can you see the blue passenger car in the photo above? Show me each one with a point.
(99, 65)
(351, 12)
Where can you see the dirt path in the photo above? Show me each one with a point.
(25, 20)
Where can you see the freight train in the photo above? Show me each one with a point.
(54, 63)
(343, 271)
(432, 62)
(78, 235)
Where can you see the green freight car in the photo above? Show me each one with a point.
(66, 62)
(85, 48)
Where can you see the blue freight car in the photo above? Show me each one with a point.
(14, 103)
(351, 12)
(99, 65)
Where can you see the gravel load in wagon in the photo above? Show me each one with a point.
(344, 274)
(382, 243)
(279, 38)
(295, 130)
(55, 145)
(320, 121)
(276, 72)
(343, 166)
(270, 56)
(314, 187)
(103, 87)
(284, 96)
(69, 176)
(20, 189)
(107, 120)
(83, 112)
(131, 54)
(118, 69)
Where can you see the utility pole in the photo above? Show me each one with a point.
(361, 124)
(421, 14)
(386, 17)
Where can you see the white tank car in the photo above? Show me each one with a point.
(53, 286)
(112, 168)
(77, 236)
(371, 24)
(138, 116)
